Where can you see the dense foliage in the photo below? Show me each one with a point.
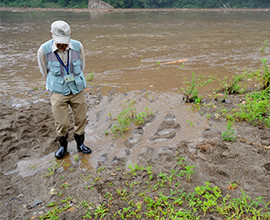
(141, 3)
(189, 3)
(45, 3)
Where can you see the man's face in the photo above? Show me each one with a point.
(62, 46)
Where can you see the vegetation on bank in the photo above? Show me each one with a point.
(45, 3)
(250, 89)
(140, 3)
(137, 192)
(189, 3)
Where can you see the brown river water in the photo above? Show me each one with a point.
(130, 50)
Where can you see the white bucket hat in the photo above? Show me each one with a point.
(60, 32)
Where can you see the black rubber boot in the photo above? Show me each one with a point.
(62, 148)
(80, 145)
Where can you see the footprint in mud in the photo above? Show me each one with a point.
(217, 172)
(8, 138)
(166, 129)
(44, 130)
(26, 134)
(117, 160)
(147, 156)
(20, 120)
(132, 142)
(267, 167)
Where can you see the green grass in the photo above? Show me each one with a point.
(127, 117)
(90, 76)
(255, 108)
(255, 100)
(160, 196)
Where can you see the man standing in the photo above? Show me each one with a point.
(61, 60)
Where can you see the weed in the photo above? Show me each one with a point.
(35, 88)
(191, 92)
(52, 204)
(65, 185)
(233, 86)
(56, 211)
(33, 166)
(229, 134)
(266, 74)
(156, 202)
(232, 185)
(127, 116)
(209, 196)
(135, 168)
(51, 170)
(90, 76)
(189, 170)
(101, 211)
(190, 122)
(76, 158)
(256, 108)
(265, 46)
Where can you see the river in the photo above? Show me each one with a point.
(131, 50)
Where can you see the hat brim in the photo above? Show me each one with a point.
(61, 40)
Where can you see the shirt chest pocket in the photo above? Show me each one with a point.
(55, 68)
(77, 67)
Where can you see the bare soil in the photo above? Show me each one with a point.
(176, 129)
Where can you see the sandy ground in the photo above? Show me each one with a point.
(28, 142)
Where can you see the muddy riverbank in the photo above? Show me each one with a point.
(31, 178)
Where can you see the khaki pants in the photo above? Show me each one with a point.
(60, 105)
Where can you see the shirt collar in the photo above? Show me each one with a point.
(54, 48)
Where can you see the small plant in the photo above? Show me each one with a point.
(140, 58)
(234, 86)
(76, 158)
(101, 211)
(127, 116)
(52, 204)
(265, 46)
(210, 196)
(191, 92)
(266, 74)
(189, 170)
(229, 134)
(51, 170)
(35, 88)
(232, 185)
(135, 168)
(90, 76)
(190, 122)
(65, 185)
(33, 166)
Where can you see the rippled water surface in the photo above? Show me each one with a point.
(128, 50)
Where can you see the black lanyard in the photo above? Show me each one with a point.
(62, 63)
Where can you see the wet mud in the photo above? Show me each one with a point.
(28, 142)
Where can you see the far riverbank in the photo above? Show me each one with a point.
(126, 10)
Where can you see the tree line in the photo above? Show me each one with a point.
(189, 3)
(141, 3)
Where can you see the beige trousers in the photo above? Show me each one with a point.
(60, 105)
